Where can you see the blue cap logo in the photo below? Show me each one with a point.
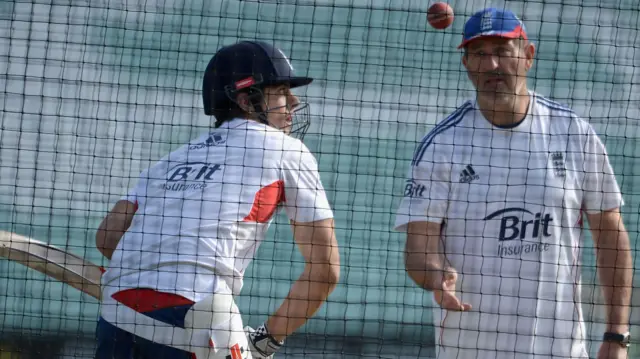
(492, 22)
(487, 24)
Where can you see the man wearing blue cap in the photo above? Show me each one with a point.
(180, 241)
(493, 210)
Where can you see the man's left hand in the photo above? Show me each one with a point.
(612, 351)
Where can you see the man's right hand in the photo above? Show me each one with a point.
(427, 266)
(261, 344)
(444, 291)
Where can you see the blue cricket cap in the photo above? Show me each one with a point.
(492, 22)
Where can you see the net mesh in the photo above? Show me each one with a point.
(92, 93)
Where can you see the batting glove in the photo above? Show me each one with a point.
(261, 343)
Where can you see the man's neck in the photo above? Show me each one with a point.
(505, 113)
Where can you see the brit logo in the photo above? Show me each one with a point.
(558, 164)
(521, 232)
(468, 175)
(413, 189)
(190, 176)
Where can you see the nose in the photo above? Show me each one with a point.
(490, 62)
(292, 101)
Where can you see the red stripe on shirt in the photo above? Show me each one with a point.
(266, 202)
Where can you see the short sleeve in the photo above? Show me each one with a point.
(425, 193)
(600, 190)
(134, 193)
(305, 198)
(130, 196)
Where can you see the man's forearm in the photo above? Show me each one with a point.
(307, 295)
(615, 270)
(424, 269)
(424, 257)
(113, 227)
(109, 234)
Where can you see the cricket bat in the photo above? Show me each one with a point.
(85, 276)
(53, 262)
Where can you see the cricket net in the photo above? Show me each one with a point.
(93, 92)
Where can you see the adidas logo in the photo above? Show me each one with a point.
(468, 174)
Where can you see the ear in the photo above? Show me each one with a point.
(242, 99)
(529, 52)
(464, 59)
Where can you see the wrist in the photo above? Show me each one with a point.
(618, 338)
(262, 343)
(277, 322)
(279, 339)
(433, 277)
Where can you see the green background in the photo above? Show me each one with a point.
(92, 94)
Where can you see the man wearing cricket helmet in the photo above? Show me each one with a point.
(181, 239)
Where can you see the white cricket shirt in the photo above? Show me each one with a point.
(511, 200)
(204, 209)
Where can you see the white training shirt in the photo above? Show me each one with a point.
(511, 200)
(204, 209)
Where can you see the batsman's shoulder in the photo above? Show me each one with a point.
(294, 148)
(294, 154)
